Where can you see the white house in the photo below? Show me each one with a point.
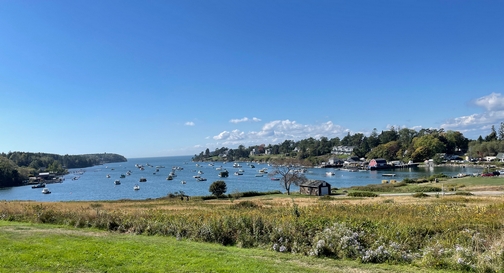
(342, 150)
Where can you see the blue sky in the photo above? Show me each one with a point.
(163, 78)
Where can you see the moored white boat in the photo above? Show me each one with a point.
(136, 187)
(46, 191)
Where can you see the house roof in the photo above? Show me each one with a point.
(379, 160)
(313, 183)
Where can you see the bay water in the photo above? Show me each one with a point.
(93, 184)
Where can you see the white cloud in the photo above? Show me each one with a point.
(475, 120)
(254, 119)
(189, 123)
(479, 123)
(278, 131)
(230, 136)
(239, 120)
(494, 101)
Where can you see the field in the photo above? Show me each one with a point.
(271, 233)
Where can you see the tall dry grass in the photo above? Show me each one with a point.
(453, 232)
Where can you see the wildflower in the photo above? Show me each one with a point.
(275, 247)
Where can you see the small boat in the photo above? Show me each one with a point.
(172, 174)
(275, 179)
(123, 176)
(201, 179)
(197, 176)
(259, 175)
(389, 174)
(238, 173)
(136, 187)
(108, 175)
(39, 185)
(330, 173)
(46, 191)
(200, 172)
(143, 179)
(182, 182)
(117, 182)
(169, 177)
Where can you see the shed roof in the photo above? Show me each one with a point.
(313, 183)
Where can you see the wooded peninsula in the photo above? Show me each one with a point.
(16, 167)
(392, 145)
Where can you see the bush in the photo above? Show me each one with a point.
(245, 204)
(410, 181)
(426, 189)
(218, 188)
(463, 193)
(362, 194)
(420, 195)
(256, 193)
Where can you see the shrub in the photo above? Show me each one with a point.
(362, 194)
(426, 189)
(420, 195)
(463, 193)
(255, 193)
(410, 181)
(218, 188)
(245, 204)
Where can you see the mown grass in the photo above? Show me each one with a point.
(44, 248)
(496, 182)
(453, 232)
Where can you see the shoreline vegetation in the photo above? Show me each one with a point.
(460, 230)
(16, 168)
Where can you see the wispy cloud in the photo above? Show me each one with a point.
(189, 123)
(493, 105)
(245, 119)
(492, 102)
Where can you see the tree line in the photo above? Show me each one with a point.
(15, 167)
(401, 144)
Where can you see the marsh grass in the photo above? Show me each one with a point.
(369, 232)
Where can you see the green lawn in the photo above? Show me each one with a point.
(47, 248)
(477, 181)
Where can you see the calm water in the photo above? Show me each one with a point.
(93, 183)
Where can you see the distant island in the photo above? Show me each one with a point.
(16, 167)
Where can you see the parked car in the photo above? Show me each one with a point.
(487, 174)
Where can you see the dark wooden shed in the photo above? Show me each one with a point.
(315, 187)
